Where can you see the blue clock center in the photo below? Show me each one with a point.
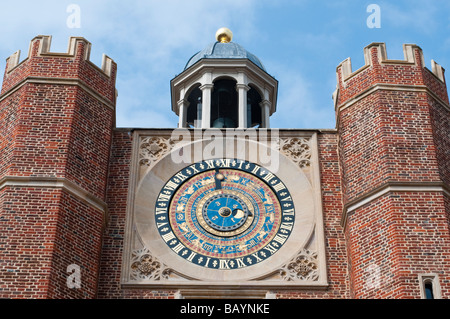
(225, 212)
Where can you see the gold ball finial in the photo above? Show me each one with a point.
(224, 35)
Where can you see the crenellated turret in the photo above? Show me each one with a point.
(57, 114)
(379, 70)
(74, 64)
(393, 120)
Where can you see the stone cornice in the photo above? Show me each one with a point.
(59, 81)
(389, 187)
(390, 87)
(60, 183)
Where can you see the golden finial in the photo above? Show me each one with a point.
(224, 35)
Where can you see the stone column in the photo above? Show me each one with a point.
(206, 105)
(265, 113)
(242, 90)
(183, 106)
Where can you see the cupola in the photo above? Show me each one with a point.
(224, 86)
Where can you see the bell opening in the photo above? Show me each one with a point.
(254, 111)
(194, 111)
(224, 104)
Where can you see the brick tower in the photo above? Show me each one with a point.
(393, 120)
(64, 164)
(56, 121)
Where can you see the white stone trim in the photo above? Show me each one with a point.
(390, 87)
(242, 90)
(59, 81)
(183, 107)
(44, 50)
(61, 183)
(208, 70)
(434, 279)
(206, 105)
(225, 294)
(388, 189)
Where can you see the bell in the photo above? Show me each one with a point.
(223, 122)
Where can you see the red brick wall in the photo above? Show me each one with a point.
(44, 230)
(395, 238)
(387, 136)
(390, 73)
(64, 130)
(42, 64)
(396, 135)
(440, 119)
(8, 130)
(26, 241)
(56, 120)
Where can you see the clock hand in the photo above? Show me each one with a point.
(219, 178)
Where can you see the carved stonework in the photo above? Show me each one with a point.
(297, 149)
(147, 267)
(151, 149)
(302, 267)
(158, 260)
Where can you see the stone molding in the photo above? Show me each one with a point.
(144, 266)
(388, 87)
(59, 81)
(388, 188)
(147, 267)
(206, 71)
(303, 267)
(60, 183)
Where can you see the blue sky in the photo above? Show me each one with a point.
(300, 43)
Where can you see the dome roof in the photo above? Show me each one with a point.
(220, 50)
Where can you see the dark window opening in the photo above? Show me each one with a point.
(194, 111)
(429, 290)
(224, 105)
(254, 117)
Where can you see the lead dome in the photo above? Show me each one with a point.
(230, 50)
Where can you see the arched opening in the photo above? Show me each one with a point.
(194, 111)
(254, 112)
(224, 104)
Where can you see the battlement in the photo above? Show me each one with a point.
(43, 64)
(379, 70)
(44, 50)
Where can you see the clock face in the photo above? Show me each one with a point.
(224, 214)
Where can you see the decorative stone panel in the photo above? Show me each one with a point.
(299, 263)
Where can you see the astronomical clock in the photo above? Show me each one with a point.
(226, 215)
(224, 202)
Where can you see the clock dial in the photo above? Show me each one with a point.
(224, 214)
